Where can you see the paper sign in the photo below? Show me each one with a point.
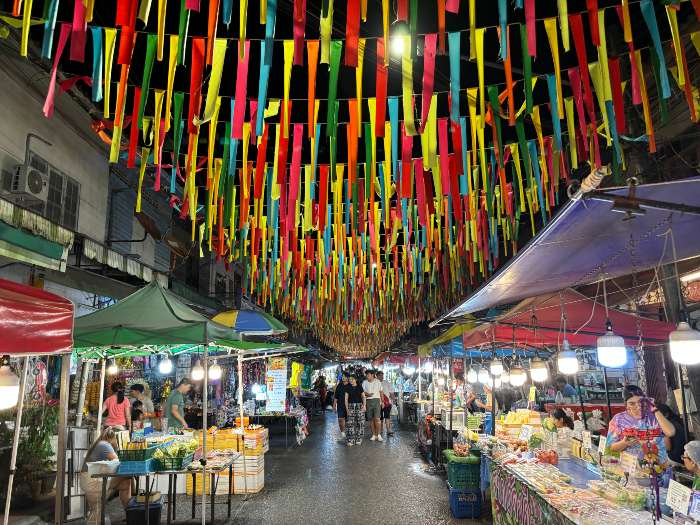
(525, 433)
(587, 444)
(694, 511)
(628, 462)
(276, 382)
(678, 497)
(533, 394)
(602, 445)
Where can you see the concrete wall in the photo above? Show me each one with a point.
(76, 150)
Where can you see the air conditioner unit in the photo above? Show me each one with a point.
(31, 180)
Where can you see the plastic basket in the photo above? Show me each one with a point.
(138, 454)
(136, 467)
(463, 475)
(180, 463)
(465, 503)
(473, 422)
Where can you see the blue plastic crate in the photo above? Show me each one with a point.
(136, 467)
(465, 503)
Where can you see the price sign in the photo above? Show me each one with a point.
(587, 444)
(678, 497)
(525, 433)
(602, 445)
(628, 462)
(532, 396)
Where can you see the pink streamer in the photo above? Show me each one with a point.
(241, 87)
(294, 176)
(79, 33)
(428, 76)
(531, 26)
(299, 24)
(51, 94)
(444, 156)
(452, 6)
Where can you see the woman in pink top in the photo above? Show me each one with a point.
(118, 409)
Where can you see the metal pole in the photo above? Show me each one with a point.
(85, 374)
(205, 408)
(61, 449)
(607, 392)
(683, 402)
(15, 439)
(102, 395)
(240, 405)
(580, 399)
(420, 383)
(449, 391)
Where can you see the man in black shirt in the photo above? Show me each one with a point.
(339, 402)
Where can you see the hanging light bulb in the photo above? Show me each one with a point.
(408, 369)
(505, 377)
(538, 370)
(165, 366)
(197, 373)
(9, 386)
(496, 367)
(517, 376)
(497, 382)
(472, 376)
(112, 369)
(256, 389)
(567, 362)
(215, 371)
(428, 367)
(399, 32)
(685, 344)
(441, 381)
(483, 376)
(611, 349)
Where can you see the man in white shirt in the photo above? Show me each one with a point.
(388, 399)
(373, 395)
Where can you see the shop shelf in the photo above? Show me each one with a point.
(465, 503)
(162, 464)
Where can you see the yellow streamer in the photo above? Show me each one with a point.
(288, 57)
(144, 11)
(550, 25)
(272, 109)
(695, 39)
(407, 84)
(597, 78)
(145, 152)
(363, 10)
(110, 36)
(275, 186)
(372, 106)
(242, 20)
(26, 24)
(472, 29)
(673, 22)
(307, 198)
(626, 26)
(159, 93)
(471, 102)
(246, 144)
(212, 139)
(480, 68)
(603, 59)
(564, 23)
(537, 122)
(326, 30)
(385, 27)
(515, 152)
(358, 82)
(89, 10)
(162, 8)
(263, 12)
(217, 68)
(571, 129)
(172, 64)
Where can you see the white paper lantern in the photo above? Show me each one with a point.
(517, 377)
(483, 376)
(165, 366)
(496, 367)
(197, 373)
(9, 388)
(685, 344)
(472, 376)
(567, 362)
(538, 370)
(215, 371)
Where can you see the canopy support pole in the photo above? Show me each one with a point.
(420, 383)
(240, 406)
(102, 395)
(15, 439)
(683, 402)
(607, 392)
(449, 393)
(61, 448)
(85, 373)
(205, 410)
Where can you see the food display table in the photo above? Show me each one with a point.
(194, 470)
(516, 498)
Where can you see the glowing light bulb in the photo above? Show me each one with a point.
(165, 366)
(215, 371)
(197, 373)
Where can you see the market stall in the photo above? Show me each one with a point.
(34, 322)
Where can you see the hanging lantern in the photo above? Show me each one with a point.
(497, 382)
(496, 367)
(472, 376)
(611, 349)
(197, 373)
(399, 30)
(215, 371)
(567, 362)
(408, 369)
(538, 370)
(505, 377)
(483, 376)
(9, 386)
(165, 366)
(112, 369)
(685, 344)
(441, 381)
(517, 377)
(428, 367)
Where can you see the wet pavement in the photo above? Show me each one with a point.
(325, 482)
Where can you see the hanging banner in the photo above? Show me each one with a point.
(276, 382)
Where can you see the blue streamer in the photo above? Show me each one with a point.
(554, 109)
(49, 28)
(270, 21)
(96, 63)
(463, 181)
(228, 8)
(394, 118)
(454, 45)
(649, 15)
(265, 48)
(503, 22)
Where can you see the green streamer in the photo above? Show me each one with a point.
(496, 109)
(369, 138)
(147, 69)
(527, 69)
(522, 146)
(336, 50)
(182, 32)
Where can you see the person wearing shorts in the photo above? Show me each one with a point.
(339, 402)
(373, 395)
(388, 394)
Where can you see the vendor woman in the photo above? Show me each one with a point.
(620, 436)
(691, 460)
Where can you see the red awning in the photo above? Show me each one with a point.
(33, 321)
(585, 322)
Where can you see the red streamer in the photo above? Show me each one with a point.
(134, 132)
(531, 27)
(352, 32)
(592, 6)
(299, 24)
(382, 77)
(79, 33)
(616, 84)
(428, 76)
(196, 70)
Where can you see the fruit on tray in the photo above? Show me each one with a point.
(549, 425)
(135, 445)
(547, 456)
(535, 440)
(177, 450)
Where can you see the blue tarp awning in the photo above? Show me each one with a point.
(455, 349)
(587, 240)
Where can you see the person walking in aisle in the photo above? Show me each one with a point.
(373, 396)
(339, 402)
(354, 401)
(388, 395)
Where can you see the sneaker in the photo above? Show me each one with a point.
(373, 438)
(379, 438)
(350, 444)
(389, 433)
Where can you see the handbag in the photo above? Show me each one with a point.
(386, 402)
